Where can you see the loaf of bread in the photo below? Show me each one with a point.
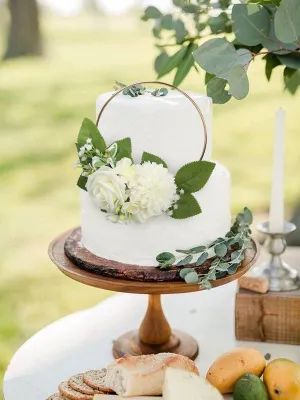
(144, 375)
(180, 385)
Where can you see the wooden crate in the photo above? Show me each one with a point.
(271, 317)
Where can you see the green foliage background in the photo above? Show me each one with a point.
(42, 103)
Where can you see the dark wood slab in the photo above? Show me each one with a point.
(89, 277)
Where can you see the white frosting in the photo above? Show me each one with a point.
(170, 128)
(140, 243)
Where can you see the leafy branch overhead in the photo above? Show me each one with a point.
(262, 28)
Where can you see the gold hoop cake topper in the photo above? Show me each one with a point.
(170, 86)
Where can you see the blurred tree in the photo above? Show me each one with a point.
(24, 37)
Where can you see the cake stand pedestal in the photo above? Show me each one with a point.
(155, 334)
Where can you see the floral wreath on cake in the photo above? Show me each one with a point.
(127, 191)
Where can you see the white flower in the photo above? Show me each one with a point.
(181, 191)
(107, 189)
(81, 151)
(76, 163)
(89, 140)
(95, 159)
(152, 194)
(127, 171)
(88, 146)
(83, 158)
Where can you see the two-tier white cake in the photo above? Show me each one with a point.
(170, 128)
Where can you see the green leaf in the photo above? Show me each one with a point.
(251, 23)
(216, 90)
(291, 79)
(124, 145)
(216, 56)
(152, 12)
(201, 260)
(223, 267)
(89, 130)
(179, 3)
(180, 30)
(166, 257)
(232, 269)
(193, 176)
(173, 61)
(244, 57)
(185, 65)
(290, 60)
(238, 82)
(157, 28)
(185, 261)
(272, 43)
(167, 22)
(198, 249)
(113, 149)
(160, 62)
(123, 153)
(248, 217)
(190, 8)
(82, 180)
(185, 271)
(287, 21)
(218, 24)
(221, 250)
(208, 77)
(191, 277)
(187, 207)
(206, 285)
(152, 158)
(271, 63)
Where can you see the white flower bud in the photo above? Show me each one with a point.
(89, 140)
(181, 191)
(175, 206)
(176, 197)
(88, 147)
(83, 158)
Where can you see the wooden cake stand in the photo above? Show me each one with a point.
(155, 334)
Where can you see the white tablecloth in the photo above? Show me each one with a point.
(83, 340)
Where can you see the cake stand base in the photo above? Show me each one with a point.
(178, 343)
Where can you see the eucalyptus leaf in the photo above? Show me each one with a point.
(187, 207)
(232, 269)
(272, 43)
(82, 181)
(216, 56)
(185, 261)
(216, 90)
(248, 217)
(160, 62)
(167, 22)
(206, 285)
(238, 82)
(89, 130)
(201, 260)
(191, 277)
(198, 249)
(185, 271)
(166, 257)
(180, 30)
(290, 60)
(220, 250)
(223, 267)
(193, 176)
(153, 159)
(208, 77)
(244, 57)
(185, 65)
(152, 12)
(251, 23)
(287, 17)
(218, 24)
(173, 61)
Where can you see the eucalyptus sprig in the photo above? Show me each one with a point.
(139, 90)
(227, 254)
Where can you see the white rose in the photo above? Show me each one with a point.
(127, 171)
(107, 189)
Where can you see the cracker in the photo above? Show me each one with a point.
(71, 394)
(56, 396)
(96, 379)
(76, 382)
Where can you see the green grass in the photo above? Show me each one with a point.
(42, 102)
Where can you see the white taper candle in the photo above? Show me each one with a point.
(276, 217)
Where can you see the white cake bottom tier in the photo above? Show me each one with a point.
(139, 244)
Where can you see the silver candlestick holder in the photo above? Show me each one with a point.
(281, 276)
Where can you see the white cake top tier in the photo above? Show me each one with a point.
(169, 127)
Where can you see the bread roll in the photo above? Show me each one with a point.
(144, 375)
